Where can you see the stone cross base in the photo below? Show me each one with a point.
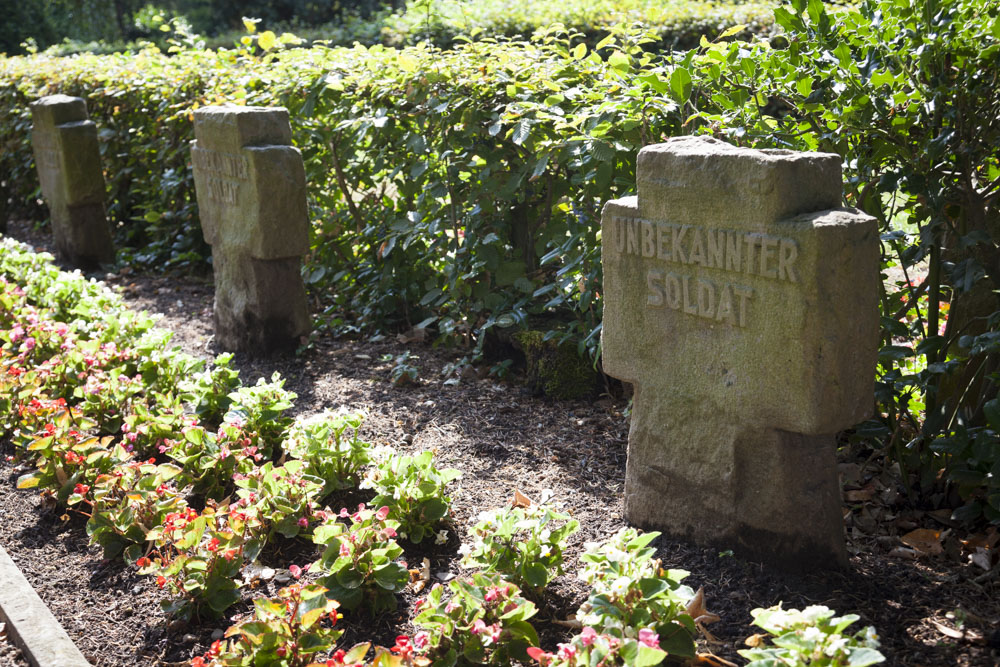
(768, 494)
(263, 306)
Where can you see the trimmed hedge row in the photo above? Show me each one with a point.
(457, 187)
(675, 23)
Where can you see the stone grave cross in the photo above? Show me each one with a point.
(69, 169)
(251, 188)
(741, 303)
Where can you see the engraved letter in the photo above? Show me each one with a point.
(633, 241)
(706, 298)
(677, 234)
(697, 254)
(725, 311)
(768, 245)
(648, 239)
(733, 248)
(787, 252)
(673, 285)
(618, 231)
(752, 241)
(744, 293)
(716, 245)
(654, 298)
(690, 306)
(663, 241)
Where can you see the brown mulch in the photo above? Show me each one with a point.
(502, 438)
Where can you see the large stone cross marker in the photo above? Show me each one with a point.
(69, 168)
(741, 302)
(251, 188)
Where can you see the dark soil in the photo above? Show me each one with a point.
(929, 610)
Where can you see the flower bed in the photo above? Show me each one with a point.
(188, 474)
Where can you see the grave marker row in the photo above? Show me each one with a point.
(740, 300)
(251, 189)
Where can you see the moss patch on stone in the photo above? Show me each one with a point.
(556, 369)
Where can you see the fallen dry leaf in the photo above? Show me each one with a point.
(948, 632)
(521, 500)
(696, 609)
(570, 622)
(981, 558)
(753, 641)
(924, 540)
(860, 495)
(903, 552)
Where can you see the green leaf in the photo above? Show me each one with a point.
(536, 574)
(620, 62)
(579, 51)
(267, 40)
(28, 481)
(992, 411)
(862, 657)
(733, 30)
(680, 85)
(521, 131)
(649, 656)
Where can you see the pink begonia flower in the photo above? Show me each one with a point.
(303, 522)
(477, 627)
(382, 513)
(421, 638)
(538, 654)
(649, 638)
(567, 651)
(344, 549)
(492, 634)
(388, 532)
(295, 570)
(587, 636)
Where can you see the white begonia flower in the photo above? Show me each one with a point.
(545, 535)
(612, 623)
(836, 646)
(812, 634)
(441, 537)
(465, 549)
(814, 613)
(871, 637)
(620, 585)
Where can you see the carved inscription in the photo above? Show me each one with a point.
(225, 172)
(46, 152)
(742, 253)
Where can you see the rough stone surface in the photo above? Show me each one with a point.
(251, 188)
(742, 304)
(69, 168)
(30, 623)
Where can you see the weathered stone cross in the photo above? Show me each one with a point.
(741, 302)
(251, 188)
(69, 168)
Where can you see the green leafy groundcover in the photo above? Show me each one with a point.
(461, 189)
(188, 474)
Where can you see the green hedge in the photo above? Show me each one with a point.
(476, 176)
(676, 23)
